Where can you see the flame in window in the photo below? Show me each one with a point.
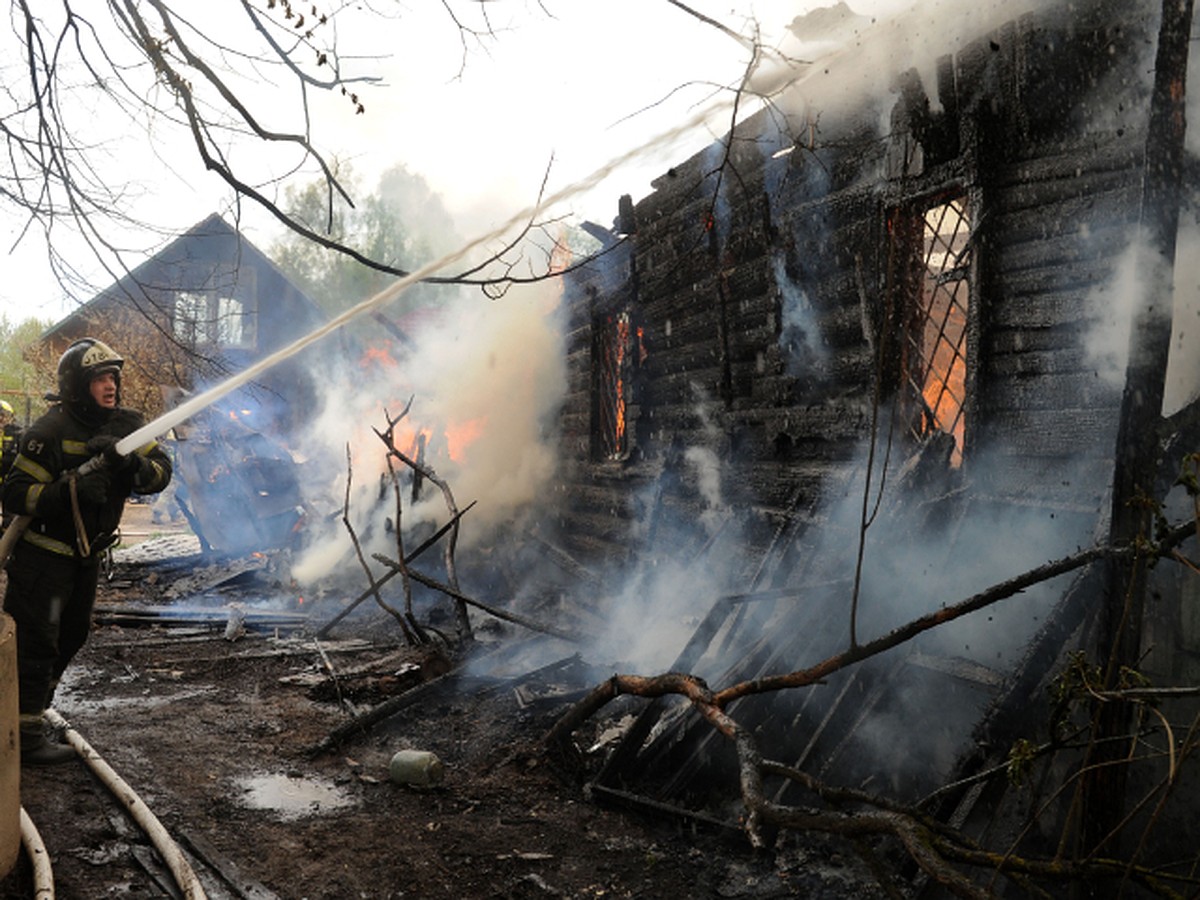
(616, 357)
(936, 348)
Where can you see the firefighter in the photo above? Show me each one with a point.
(10, 436)
(54, 567)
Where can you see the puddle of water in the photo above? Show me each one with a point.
(292, 798)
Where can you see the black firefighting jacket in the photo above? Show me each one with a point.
(37, 485)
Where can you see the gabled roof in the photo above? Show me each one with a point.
(212, 227)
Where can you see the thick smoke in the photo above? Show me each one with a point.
(1115, 302)
(848, 60)
(484, 380)
(800, 336)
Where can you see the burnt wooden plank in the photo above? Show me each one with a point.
(1070, 389)
(1047, 309)
(1069, 359)
(1055, 433)
(1010, 282)
(1093, 254)
(1088, 216)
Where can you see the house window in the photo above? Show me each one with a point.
(934, 362)
(209, 318)
(617, 351)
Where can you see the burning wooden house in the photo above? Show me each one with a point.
(855, 363)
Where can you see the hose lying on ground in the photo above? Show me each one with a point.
(43, 876)
(180, 868)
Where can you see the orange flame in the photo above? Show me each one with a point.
(461, 435)
(945, 381)
(377, 356)
(622, 342)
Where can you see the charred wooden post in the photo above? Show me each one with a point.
(1140, 418)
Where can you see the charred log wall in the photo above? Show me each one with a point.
(1039, 125)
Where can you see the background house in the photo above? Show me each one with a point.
(207, 304)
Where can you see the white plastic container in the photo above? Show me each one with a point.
(418, 768)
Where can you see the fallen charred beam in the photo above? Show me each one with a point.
(564, 559)
(698, 692)
(425, 545)
(446, 589)
(242, 886)
(190, 616)
(362, 723)
(716, 617)
(627, 800)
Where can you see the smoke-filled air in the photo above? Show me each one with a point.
(485, 380)
(480, 382)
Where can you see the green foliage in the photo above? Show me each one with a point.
(401, 224)
(23, 380)
(1021, 757)
(1077, 682)
(1189, 475)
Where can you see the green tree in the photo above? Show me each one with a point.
(24, 375)
(402, 223)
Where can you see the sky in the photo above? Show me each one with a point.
(562, 88)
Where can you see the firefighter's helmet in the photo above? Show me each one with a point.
(84, 360)
(7, 410)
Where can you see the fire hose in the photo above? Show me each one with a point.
(43, 876)
(12, 534)
(176, 862)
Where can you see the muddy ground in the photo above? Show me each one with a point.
(217, 738)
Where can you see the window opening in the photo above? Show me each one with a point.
(935, 351)
(617, 352)
(191, 316)
(209, 318)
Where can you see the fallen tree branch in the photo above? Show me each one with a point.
(427, 472)
(409, 637)
(462, 598)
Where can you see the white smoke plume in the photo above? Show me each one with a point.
(853, 59)
(484, 380)
(1113, 304)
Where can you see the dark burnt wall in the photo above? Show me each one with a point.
(763, 273)
(1060, 140)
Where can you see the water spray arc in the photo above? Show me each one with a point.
(181, 413)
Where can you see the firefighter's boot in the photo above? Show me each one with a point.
(37, 750)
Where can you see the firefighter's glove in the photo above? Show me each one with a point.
(92, 487)
(106, 445)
